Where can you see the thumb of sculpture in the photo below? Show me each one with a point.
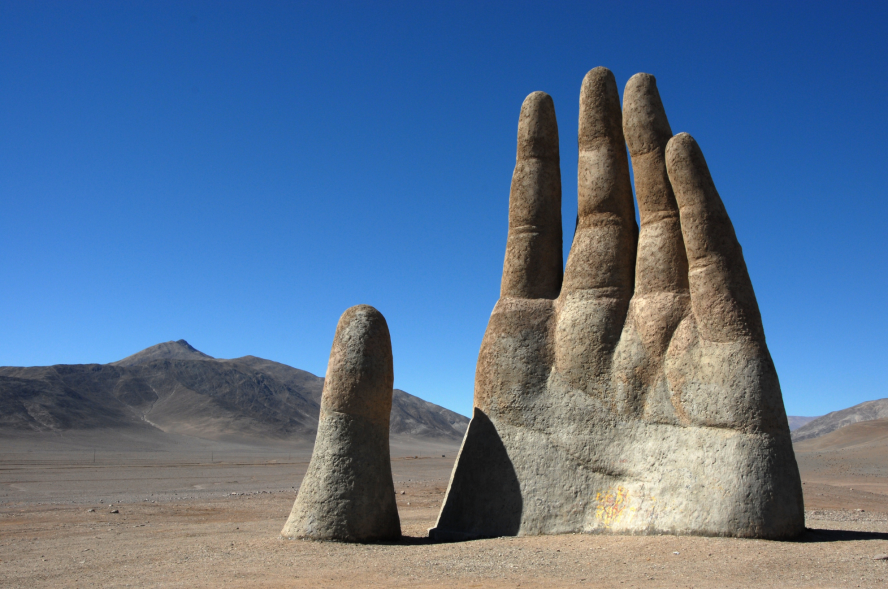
(347, 493)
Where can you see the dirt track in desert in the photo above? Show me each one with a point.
(184, 521)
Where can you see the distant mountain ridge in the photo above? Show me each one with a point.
(177, 389)
(867, 411)
(797, 421)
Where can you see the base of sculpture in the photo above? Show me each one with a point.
(628, 478)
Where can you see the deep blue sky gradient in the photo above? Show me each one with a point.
(237, 173)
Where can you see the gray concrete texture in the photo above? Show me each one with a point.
(347, 493)
(636, 394)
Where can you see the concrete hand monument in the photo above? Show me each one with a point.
(633, 392)
(347, 493)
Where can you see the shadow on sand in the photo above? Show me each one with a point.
(818, 535)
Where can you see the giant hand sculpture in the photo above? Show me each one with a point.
(635, 393)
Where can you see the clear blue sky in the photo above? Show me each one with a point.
(239, 173)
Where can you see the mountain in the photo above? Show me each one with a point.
(177, 389)
(868, 411)
(179, 350)
(797, 421)
(863, 434)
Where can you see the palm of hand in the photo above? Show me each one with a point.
(635, 393)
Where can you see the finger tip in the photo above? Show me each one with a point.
(598, 83)
(538, 127)
(640, 89)
(644, 119)
(538, 107)
(597, 75)
(536, 99)
(640, 81)
(687, 169)
(600, 114)
(360, 370)
(680, 144)
(363, 330)
(365, 318)
(366, 310)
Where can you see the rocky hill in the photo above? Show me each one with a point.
(868, 411)
(177, 389)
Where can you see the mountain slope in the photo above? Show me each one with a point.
(797, 421)
(410, 414)
(202, 398)
(868, 411)
(305, 382)
(416, 417)
(173, 388)
(863, 434)
(38, 399)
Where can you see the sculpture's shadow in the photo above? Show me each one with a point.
(811, 535)
(819, 535)
(484, 497)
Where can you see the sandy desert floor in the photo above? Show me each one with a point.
(183, 521)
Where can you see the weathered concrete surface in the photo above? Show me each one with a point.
(347, 493)
(641, 398)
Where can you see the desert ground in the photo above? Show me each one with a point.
(208, 515)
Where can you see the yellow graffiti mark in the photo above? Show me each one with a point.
(611, 505)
